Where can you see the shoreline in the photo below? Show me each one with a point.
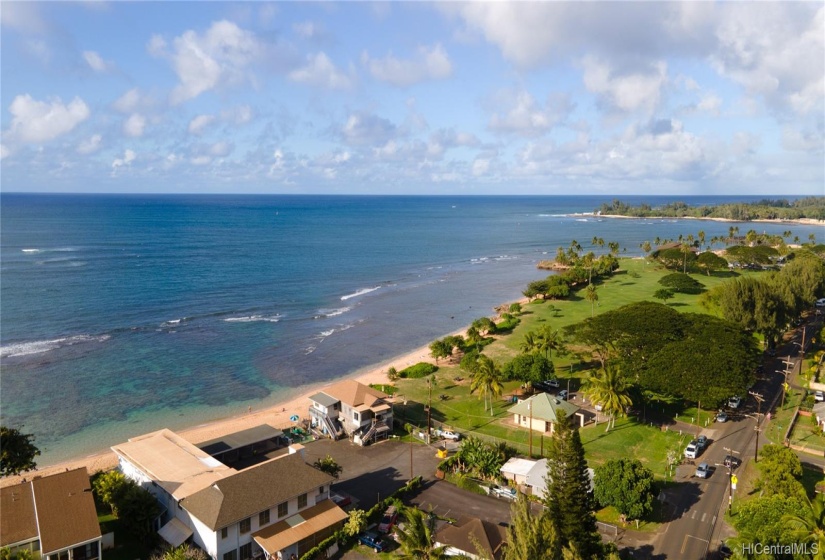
(276, 415)
(800, 221)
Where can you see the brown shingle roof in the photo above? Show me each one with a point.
(17, 522)
(353, 393)
(65, 510)
(461, 536)
(253, 490)
(300, 526)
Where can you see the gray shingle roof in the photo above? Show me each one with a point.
(253, 490)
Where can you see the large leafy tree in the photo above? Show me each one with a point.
(609, 387)
(780, 471)
(760, 520)
(17, 452)
(568, 499)
(528, 368)
(110, 487)
(416, 537)
(627, 485)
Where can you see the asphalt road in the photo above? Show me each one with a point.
(696, 506)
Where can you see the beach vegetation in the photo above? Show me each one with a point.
(392, 374)
(515, 308)
(469, 362)
(507, 324)
(417, 371)
(484, 326)
(17, 451)
(811, 207)
(440, 349)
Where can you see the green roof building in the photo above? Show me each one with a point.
(541, 412)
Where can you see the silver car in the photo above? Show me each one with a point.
(702, 471)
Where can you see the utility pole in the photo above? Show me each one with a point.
(730, 475)
(530, 427)
(759, 398)
(429, 406)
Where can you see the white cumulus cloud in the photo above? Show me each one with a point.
(90, 145)
(95, 61)
(199, 123)
(128, 157)
(135, 125)
(321, 72)
(202, 62)
(524, 116)
(428, 63)
(629, 91)
(42, 121)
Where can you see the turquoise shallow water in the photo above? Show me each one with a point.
(122, 314)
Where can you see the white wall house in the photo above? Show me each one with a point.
(351, 408)
(274, 509)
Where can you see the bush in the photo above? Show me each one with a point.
(421, 369)
(469, 362)
(508, 324)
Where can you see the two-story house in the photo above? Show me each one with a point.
(52, 515)
(273, 509)
(351, 408)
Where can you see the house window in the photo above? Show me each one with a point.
(355, 416)
(231, 555)
(246, 525)
(302, 501)
(224, 533)
(283, 509)
(263, 518)
(246, 551)
(321, 490)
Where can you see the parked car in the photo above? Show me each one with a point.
(372, 540)
(702, 471)
(735, 401)
(692, 450)
(820, 302)
(388, 520)
(701, 442)
(449, 434)
(503, 492)
(722, 416)
(731, 462)
(563, 394)
(341, 501)
(554, 383)
(819, 396)
(724, 550)
(598, 406)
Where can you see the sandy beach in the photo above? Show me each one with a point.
(276, 415)
(800, 221)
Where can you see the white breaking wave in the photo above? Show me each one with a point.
(325, 334)
(31, 250)
(332, 312)
(41, 346)
(55, 250)
(173, 322)
(581, 219)
(360, 293)
(253, 319)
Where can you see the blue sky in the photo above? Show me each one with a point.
(413, 97)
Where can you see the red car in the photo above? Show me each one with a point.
(388, 521)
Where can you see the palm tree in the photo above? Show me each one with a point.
(487, 381)
(550, 339)
(701, 236)
(809, 525)
(609, 388)
(474, 336)
(417, 537)
(530, 344)
(592, 296)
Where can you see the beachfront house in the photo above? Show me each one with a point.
(541, 412)
(353, 409)
(53, 516)
(274, 509)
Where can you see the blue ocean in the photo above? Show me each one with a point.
(122, 314)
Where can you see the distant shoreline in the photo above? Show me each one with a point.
(800, 221)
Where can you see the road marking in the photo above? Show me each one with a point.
(703, 517)
(693, 515)
(714, 521)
